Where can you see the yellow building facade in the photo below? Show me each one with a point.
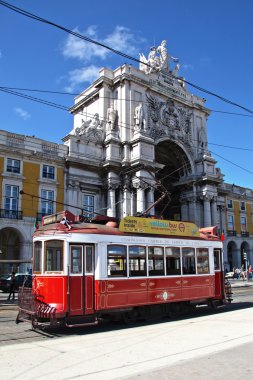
(239, 226)
(31, 186)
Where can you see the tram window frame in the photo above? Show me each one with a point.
(76, 262)
(217, 259)
(154, 259)
(89, 259)
(188, 266)
(37, 257)
(119, 258)
(176, 255)
(203, 264)
(58, 250)
(136, 258)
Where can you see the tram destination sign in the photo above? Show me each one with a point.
(158, 226)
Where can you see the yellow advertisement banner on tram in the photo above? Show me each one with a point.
(158, 226)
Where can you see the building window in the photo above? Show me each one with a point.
(13, 166)
(231, 222)
(48, 172)
(88, 205)
(47, 206)
(11, 199)
(229, 203)
(243, 223)
(242, 205)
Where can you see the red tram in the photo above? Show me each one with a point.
(85, 272)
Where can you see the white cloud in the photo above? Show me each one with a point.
(83, 50)
(22, 113)
(120, 39)
(78, 76)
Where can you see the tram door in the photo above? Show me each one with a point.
(219, 274)
(81, 279)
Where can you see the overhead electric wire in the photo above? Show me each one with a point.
(46, 102)
(125, 125)
(40, 19)
(106, 97)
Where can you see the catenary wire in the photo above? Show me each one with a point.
(107, 97)
(126, 125)
(80, 36)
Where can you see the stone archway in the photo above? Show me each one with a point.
(10, 243)
(232, 255)
(176, 166)
(245, 249)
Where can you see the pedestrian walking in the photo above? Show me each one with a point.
(250, 271)
(12, 286)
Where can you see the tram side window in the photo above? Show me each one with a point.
(76, 259)
(202, 260)
(116, 261)
(54, 256)
(188, 261)
(37, 257)
(216, 254)
(155, 261)
(137, 261)
(172, 256)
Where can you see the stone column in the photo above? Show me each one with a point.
(126, 204)
(111, 201)
(207, 210)
(214, 215)
(192, 208)
(150, 200)
(140, 201)
(184, 208)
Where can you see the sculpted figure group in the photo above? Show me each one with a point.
(159, 62)
(95, 128)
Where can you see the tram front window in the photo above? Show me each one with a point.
(188, 261)
(54, 256)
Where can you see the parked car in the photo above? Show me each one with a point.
(21, 279)
(229, 275)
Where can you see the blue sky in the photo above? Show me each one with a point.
(212, 39)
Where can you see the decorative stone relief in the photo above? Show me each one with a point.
(92, 129)
(166, 119)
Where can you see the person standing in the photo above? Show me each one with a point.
(12, 286)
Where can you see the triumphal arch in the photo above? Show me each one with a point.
(139, 145)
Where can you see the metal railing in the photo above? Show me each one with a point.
(10, 214)
(231, 233)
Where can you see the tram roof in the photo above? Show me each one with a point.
(93, 228)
